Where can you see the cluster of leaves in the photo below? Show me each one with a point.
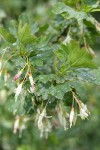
(58, 54)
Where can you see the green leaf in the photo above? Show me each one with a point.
(84, 75)
(87, 75)
(46, 78)
(62, 52)
(97, 76)
(61, 7)
(23, 17)
(43, 56)
(24, 34)
(17, 107)
(78, 15)
(80, 89)
(7, 35)
(79, 57)
(43, 41)
(43, 28)
(37, 62)
(28, 39)
(42, 91)
(59, 90)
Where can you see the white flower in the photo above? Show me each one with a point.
(75, 117)
(32, 88)
(91, 51)
(98, 26)
(67, 40)
(16, 124)
(62, 115)
(18, 91)
(41, 116)
(62, 120)
(44, 124)
(71, 117)
(84, 112)
(46, 128)
(85, 108)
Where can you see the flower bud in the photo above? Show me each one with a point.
(71, 117)
(18, 74)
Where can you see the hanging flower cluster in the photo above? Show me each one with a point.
(66, 119)
(83, 111)
(43, 123)
(20, 124)
(28, 74)
(62, 117)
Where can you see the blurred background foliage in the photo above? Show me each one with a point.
(86, 134)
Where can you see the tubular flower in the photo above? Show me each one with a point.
(67, 40)
(98, 26)
(32, 88)
(18, 74)
(62, 120)
(16, 124)
(71, 117)
(44, 125)
(18, 91)
(41, 116)
(84, 112)
(46, 128)
(62, 115)
(91, 51)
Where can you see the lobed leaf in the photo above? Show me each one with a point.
(7, 35)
